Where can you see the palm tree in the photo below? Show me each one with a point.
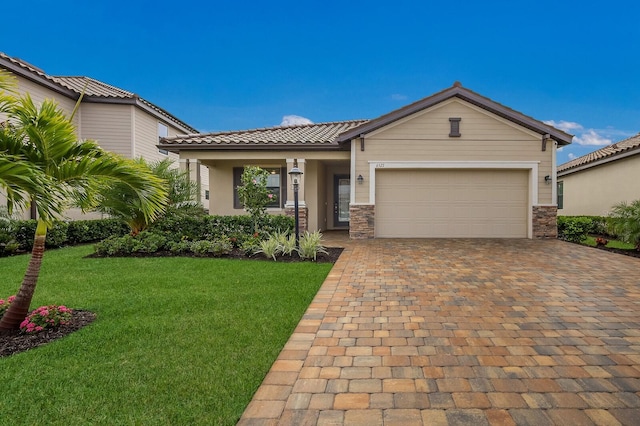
(65, 172)
(624, 222)
(121, 201)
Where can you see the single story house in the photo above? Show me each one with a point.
(454, 164)
(592, 184)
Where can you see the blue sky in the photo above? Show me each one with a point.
(226, 65)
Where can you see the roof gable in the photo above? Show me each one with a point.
(613, 152)
(467, 95)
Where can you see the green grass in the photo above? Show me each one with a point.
(591, 241)
(176, 340)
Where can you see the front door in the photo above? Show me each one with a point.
(341, 198)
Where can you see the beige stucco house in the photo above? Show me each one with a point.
(592, 184)
(119, 120)
(455, 164)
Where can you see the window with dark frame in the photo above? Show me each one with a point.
(560, 194)
(163, 132)
(454, 132)
(276, 183)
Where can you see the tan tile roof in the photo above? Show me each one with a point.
(310, 135)
(93, 87)
(608, 153)
(96, 90)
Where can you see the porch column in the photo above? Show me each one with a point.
(289, 207)
(193, 167)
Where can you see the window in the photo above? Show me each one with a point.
(163, 132)
(276, 183)
(455, 127)
(206, 194)
(560, 194)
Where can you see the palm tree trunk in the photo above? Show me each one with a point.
(19, 308)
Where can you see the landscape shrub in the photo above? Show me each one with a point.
(63, 233)
(144, 242)
(179, 247)
(311, 245)
(90, 231)
(269, 247)
(287, 242)
(217, 247)
(25, 230)
(8, 244)
(45, 317)
(624, 222)
(4, 304)
(238, 229)
(576, 228)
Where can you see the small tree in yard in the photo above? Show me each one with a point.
(624, 222)
(56, 172)
(254, 194)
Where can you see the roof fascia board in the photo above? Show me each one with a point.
(38, 79)
(600, 162)
(246, 147)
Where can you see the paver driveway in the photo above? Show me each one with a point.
(462, 332)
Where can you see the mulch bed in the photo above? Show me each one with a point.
(333, 253)
(19, 342)
(626, 252)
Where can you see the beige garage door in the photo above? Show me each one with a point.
(451, 203)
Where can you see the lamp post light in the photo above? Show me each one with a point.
(295, 174)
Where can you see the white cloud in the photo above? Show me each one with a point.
(593, 138)
(566, 126)
(399, 97)
(572, 156)
(588, 137)
(294, 120)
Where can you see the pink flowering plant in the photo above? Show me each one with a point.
(45, 317)
(4, 304)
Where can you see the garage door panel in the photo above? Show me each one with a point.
(452, 203)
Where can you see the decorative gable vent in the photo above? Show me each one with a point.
(455, 127)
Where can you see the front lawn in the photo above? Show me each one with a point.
(176, 340)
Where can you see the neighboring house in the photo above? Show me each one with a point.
(455, 164)
(120, 121)
(592, 184)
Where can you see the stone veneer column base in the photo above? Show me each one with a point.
(302, 216)
(545, 222)
(362, 221)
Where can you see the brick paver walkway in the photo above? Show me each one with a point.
(463, 332)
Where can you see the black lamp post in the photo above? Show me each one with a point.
(295, 174)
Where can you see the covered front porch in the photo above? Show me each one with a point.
(324, 191)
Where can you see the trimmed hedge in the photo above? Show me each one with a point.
(174, 227)
(576, 228)
(181, 232)
(67, 233)
(179, 227)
